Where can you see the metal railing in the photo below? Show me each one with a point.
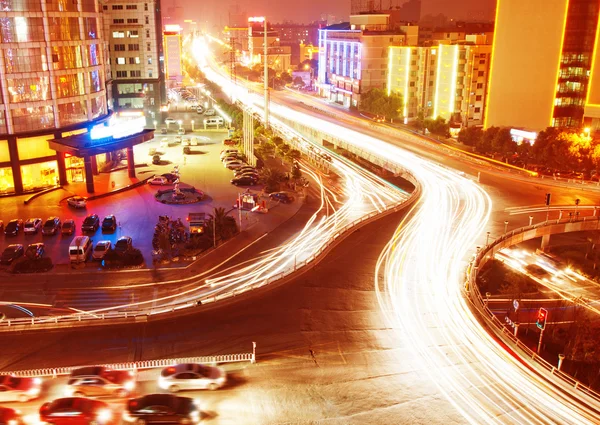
(144, 364)
(477, 300)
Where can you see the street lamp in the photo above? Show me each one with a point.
(505, 226)
(192, 125)
(155, 122)
(179, 122)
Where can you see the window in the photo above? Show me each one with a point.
(105, 7)
(117, 7)
(119, 47)
(63, 29)
(147, 20)
(121, 74)
(479, 85)
(149, 61)
(133, 34)
(478, 98)
(134, 61)
(148, 47)
(146, 7)
(431, 73)
(482, 62)
(133, 47)
(483, 55)
(90, 28)
(412, 83)
(149, 73)
(24, 59)
(147, 33)
(481, 73)
(118, 34)
(132, 21)
(430, 83)
(135, 73)
(120, 61)
(60, 6)
(131, 7)
(118, 21)
(477, 110)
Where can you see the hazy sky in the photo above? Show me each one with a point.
(310, 10)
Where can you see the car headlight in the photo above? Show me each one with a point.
(104, 415)
(127, 417)
(195, 415)
(184, 421)
(37, 381)
(12, 422)
(33, 391)
(129, 385)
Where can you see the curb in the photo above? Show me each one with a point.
(38, 194)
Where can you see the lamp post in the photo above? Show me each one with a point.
(180, 123)
(505, 226)
(155, 122)
(263, 20)
(192, 125)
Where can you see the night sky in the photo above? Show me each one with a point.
(214, 11)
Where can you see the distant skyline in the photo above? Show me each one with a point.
(216, 11)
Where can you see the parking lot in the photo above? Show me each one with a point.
(136, 210)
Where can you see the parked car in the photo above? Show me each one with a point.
(35, 251)
(13, 388)
(245, 172)
(158, 180)
(51, 226)
(77, 411)
(161, 408)
(234, 165)
(210, 112)
(171, 177)
(98, 381)
(199, 110)
(191, 376)
(91, 223)
(109, 224)
(32, 226)
(13, 227)
(10, 416)
(243, 181)
(229, 160)
(181, 131)
(282, 197)
(124, 244)
(170, 121)
(101, 249)
(77, 202)
(68, 227)
(230, 142)
(163, 130)
(226, 152)
(11, 253)
(247, 168)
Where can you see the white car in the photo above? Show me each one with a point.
(13, 388)
(77, 202)
(234, 165)
(170, 121)
(191, 376)
(32, 226)
(100, 250)
(210, 112)
(158, 180)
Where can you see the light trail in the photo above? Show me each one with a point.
(421, 290)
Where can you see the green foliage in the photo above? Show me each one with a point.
(296, 173)
(419, 122)
(298, 81)
(286, 77)
(282, 150)
(437, 126)
(225, 225)
(376, 101)
(272, 177)
(265, 149)
(293, 155)
(470, 136)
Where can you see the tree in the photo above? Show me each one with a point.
(272, 177)
(503, 142)
(225, 225)
(437, 126)
(470, 136)
(293, 155)
(296, 173)
(376, 101)
(298, 81)
(282, 150)
(286, 77)
(277, 141)
(419, 122)
(266, 149)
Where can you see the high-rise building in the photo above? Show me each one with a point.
(173, 65)
(52, 79)
(543, 64)
(134, 35)
(447, 80)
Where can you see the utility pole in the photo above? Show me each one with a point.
(266, 77)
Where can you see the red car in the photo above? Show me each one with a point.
(230, 142)
(77, 411)
(10, 416)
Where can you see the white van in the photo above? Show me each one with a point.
(80, 249)
(215, 121)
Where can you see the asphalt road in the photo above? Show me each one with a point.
(331, 310)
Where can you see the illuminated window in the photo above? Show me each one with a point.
(33, 118)
(70, 85)
(120, 61)
(118, 34)
(72, 113)
(66, 57)
(28, 89)
(133, 34)
(24, 60)
(20, 29)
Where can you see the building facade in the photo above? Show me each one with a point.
(134, 35)
(543, 67)
(52, 77)
(173, 62)
(447, 80)
(353, 57)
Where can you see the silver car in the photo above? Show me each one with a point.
(32, 225)
(101, 249)
(97, 381)
(191, 376)
(13, 388)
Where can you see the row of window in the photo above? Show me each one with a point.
(129, 34)
(130, 47)
(131, 20)
(38, 88)
(51, 6)
(136, 73)
(34, 59)
(127, 7)
(24, 29)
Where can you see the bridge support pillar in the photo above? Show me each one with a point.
(545, 242)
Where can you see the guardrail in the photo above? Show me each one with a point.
(120, 317)
(486, 254)
(145, 364)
